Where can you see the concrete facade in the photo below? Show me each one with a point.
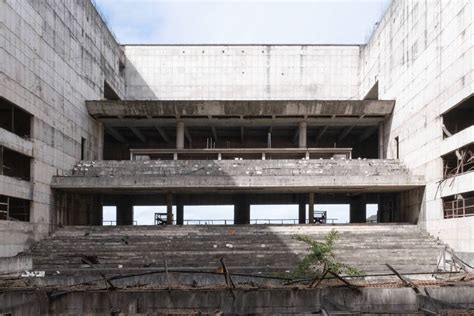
(57, 55)
(242, 72)
(54, 55)
(422, 56)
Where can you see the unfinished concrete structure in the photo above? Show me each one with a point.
(86, 123)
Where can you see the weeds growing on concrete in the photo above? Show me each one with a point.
(321, 257)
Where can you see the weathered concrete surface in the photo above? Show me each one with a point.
(265, 175)
(291, 107)
(395, 301)
(254, 249)
(54, 55)
(241, 72)
(428, 69)
(15, 237)
(19, 263)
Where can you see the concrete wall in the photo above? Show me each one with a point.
(54, 55)
(242, 72)
(421, 55)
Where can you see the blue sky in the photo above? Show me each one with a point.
(246, 22)
(287, 22)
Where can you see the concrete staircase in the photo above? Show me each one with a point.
(255, 249)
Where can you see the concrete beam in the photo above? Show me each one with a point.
(303, 108)
(115, 134)
(163, 134)
(369, 132)
(138, 134)
(321, 133)
(245, 175)
(214, 133)
(344, 133)
(246, 122)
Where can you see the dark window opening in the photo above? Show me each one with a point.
(121, 68)
(397, 147)
(459, 205)
(14, 209)
(14, 164)
(458, 118)
(83, 148)
(459, 161)
(109, 92)
(14, 119)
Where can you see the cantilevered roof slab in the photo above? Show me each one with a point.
(241, 113)
(269, 176)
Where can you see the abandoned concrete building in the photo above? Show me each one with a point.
(87, 123)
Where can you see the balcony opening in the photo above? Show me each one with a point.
(14, 119)
(83, 148)
(14, 209)
(109, 92)
(14, 164)
(459, 205)
(459, 161)
(459, 117)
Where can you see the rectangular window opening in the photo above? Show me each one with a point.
(459, 161)
(459, 117)
(397, 147)
(13, 164)
(459, 205)
(83, 148)
(14, 119)
(14, 209)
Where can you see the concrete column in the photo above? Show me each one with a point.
(179, 212)
(125, 211)
(381, 141)
(358, 211)
(169, 208)
(311, 207)
(179, 135)
(302, 212)
(302, 135)
(241, 210)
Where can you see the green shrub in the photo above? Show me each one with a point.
(321, 257)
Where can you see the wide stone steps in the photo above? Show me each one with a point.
(260, 249)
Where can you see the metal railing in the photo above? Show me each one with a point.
(114, 223)
(459, 208)
(259, 221)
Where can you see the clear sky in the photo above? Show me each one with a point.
(246, 22)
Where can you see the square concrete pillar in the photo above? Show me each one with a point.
(302, 135)
(179, 212)
(125, 211)
(301, 212)
(311, 207)
(358, 210)
(169, 208)
(241, 210)
(179, 135)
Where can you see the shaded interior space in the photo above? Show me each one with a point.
(13, 164)
(459, 161)
(14, 119)
(459, 205)
(459, 117)
(15, 209)
(228, 209)
(119, 142)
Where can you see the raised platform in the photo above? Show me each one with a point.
(188, 176)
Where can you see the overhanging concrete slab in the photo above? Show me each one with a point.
(270, 176)
(315, 112)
